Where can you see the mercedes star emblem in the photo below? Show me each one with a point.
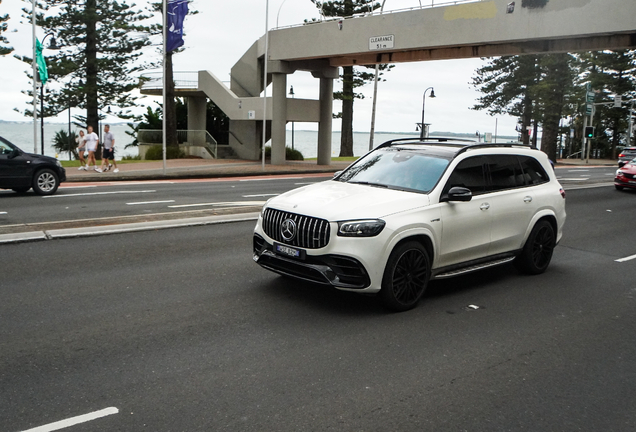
(288, 229)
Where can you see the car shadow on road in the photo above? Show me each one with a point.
(330, 300)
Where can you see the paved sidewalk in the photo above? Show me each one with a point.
(210, 168)
(199, 168)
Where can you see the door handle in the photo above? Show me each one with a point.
(527, 199)
(484, 206)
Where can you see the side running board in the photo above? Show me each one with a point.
(473, 268)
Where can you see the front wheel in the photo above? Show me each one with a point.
(45, 182)
(618, 187)
(405, 277)
(537, 252)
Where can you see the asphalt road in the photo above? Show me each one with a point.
(178, 330)
(77, 201)
(80, 201)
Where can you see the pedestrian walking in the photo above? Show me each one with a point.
(108, 154)
(91, 144)
(81, 148)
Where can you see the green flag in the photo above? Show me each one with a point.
(39, 58)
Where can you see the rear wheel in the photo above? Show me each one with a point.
(537, 252)
(45, 182)
(405, 277)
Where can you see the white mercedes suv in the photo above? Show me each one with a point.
(410, 211)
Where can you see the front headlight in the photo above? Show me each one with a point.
(361, 228)
(58, 164)
(619, 173)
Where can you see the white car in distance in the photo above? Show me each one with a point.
(410, 211)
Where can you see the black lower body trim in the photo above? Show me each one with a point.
(335, 270)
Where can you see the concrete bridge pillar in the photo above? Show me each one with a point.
(279, 117)
(326, 119)
(196, 120)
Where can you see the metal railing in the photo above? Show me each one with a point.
(199, 138)
(182, 80)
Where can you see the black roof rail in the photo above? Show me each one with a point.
(429, 140)
(487, 145)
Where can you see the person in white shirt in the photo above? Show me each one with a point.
(81, 148)
(108, 154)
(91, 144)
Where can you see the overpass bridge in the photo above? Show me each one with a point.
(461, 29)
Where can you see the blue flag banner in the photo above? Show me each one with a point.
(177, 11)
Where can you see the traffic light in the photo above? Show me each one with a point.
(589, 131)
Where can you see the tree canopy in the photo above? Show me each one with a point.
(4, 48)
(100, 58)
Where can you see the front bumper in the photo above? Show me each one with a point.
(335, 270)
(624, 183)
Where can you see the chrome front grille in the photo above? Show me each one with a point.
(310, 232)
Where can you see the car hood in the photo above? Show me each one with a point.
(630, 168)
(333, 200)
(42, 158)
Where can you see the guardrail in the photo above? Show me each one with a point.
(182, 80)
(199, 138)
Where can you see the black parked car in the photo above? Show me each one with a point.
(22, 171)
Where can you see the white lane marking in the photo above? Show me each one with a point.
(3, 213)
(150, 202)
(98, 193)
(577, 170)
(275, 178)
(63, 424)
(610, 174)
(259, 195)
(573, 179)
(77, 187)
(629, 258)
(223, 204)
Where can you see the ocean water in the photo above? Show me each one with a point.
(21, 134)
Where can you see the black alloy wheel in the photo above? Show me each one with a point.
(537, 252)
(406, 277)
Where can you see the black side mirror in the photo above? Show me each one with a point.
(15, 153)
(458, 193)
(621, 164)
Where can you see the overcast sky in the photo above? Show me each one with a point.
(224, 29)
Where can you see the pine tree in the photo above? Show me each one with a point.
(508, 84)
(611, 73)
(351, 78)
(4, 50)
(99, 61)
(555, 90)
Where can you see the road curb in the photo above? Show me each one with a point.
(123, 228)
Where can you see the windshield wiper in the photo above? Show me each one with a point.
(369, 184)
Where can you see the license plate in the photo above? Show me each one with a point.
(289, 251)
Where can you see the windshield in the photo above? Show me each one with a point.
(397, 169)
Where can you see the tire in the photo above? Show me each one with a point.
(406, 277)
(45, 182)
(537, 252)
(620, 188)
(21, 190)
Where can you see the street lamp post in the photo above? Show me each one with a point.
(291, 93)
(375, 96)
(422, 132)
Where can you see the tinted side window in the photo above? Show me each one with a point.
(505, 172)
(469, 173)
(533, 171)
